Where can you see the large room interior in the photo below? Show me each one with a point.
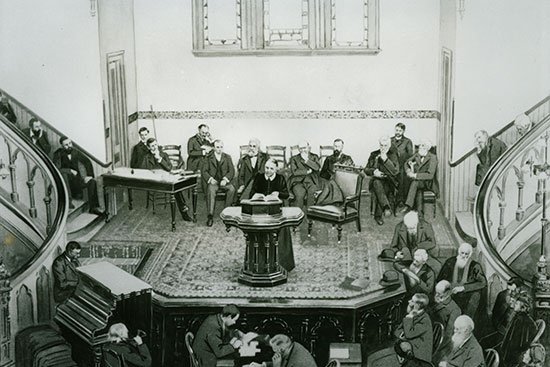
(279, 74)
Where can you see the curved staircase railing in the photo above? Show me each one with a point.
(34, 200)
(508, 207)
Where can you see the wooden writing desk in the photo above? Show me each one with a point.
(151, 180)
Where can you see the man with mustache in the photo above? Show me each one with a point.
(488, 149)
(469, 285)
(421, 170)
(198, 146)
(416, 327)
(78, 173)
(338, 157)
(404, 148)
(140, 150)
(444, 311)
(37, 135)
(287, 354)
(304, 176)
(250, 164)
(383, 168)
(466, 351)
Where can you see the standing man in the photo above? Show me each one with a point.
(304, 175)
(217, 173)
(65, 276)
(383, 167)
(37, 136)
(6, 110)
(250, 164)
(216, 337)
(338, 157)
(416, 327)
(469, 285)
(421, 170)
(198, 146)
(140, 150)
(488, 149)
(157, 159)
(78, 173)
(405, 150)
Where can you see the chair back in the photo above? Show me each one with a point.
(437, 335)
(348, 179)
(278, 152)
(541, 326)
(110, 358)
(333, 363)
(243, 150)
(491, 358)
(325, 151)
(294, 150)
(193, 360)
(174, 153)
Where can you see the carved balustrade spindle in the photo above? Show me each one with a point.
(14, 195)
(5, 322)
(32, 208)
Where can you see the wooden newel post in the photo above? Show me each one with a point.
(520, 212)
(501, 229)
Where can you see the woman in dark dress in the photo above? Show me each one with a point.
(271, 183)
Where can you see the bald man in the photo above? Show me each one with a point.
(444, 311)
(304, 176)
(287, 354)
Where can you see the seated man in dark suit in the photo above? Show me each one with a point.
(406, 357)
(338, 157)
(418, 276)
(411, 234)
(304, 175)
(6, 110)
(217, 173)
(445, 311)
(140, 150)
(250, 164)
(216, 337)
(133, 351)
(157, 159)
(198, 146)
(405, 150)
(416, 327)
(488, 149)
(65, 276)
(37, 135)
(78, 173)
(421, 170)
(383, 168)
(466, 351)
(287, 354)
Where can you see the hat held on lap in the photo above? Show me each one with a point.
(390, 277)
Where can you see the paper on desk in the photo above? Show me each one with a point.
(246, 338)
(339, 353)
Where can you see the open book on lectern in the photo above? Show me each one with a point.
(266, 198)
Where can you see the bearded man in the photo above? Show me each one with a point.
(445, 311)
(488, 149)
(251, 163)
(37, 135)
(469, 285)
(416, 327)
(466, 351)
(337, 157)
(404, 147)
(419, 277)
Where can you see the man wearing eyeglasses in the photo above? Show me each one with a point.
(251, 163)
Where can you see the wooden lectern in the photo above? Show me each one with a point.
(261, 222)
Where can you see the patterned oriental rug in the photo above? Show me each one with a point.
(196, 261)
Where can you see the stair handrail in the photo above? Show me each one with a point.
(60, 215)
(482, 203)
(50, 127)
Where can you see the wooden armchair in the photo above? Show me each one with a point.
(350, 181)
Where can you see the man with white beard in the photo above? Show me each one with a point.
(416, 327)
(468, 282)
(445, 311)
(466, 351)
(419, 277)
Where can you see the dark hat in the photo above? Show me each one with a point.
(387, 255)
(390, 277)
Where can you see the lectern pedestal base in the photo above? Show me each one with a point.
(263, 280)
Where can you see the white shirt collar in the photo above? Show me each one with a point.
(270, 178)
(218, 156)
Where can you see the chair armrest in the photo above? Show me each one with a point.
(349, 200)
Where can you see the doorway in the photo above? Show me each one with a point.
(117, 111)
(445, 129)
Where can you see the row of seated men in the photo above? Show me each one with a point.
(395, 170)
(443, 293)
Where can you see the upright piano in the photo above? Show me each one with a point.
(104, 296)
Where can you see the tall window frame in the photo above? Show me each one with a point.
(256, 36)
